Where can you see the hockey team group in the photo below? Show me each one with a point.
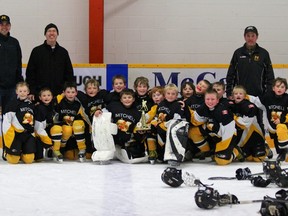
(142, 124)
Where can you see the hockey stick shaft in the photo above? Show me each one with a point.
(232, 178)
(261, 200)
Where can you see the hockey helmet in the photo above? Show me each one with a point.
(172, 177)
(206, 198)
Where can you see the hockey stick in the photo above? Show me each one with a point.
(232, 178)
(261, 200)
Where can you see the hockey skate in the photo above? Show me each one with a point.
(57, 156)
(282, 155)
(152, 156)
(82, 155)
(48, 153)
(269, 152)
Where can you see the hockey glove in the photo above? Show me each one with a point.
(258, 181)
(281, 179)
(226, 199)
(270, 208)
(282, 194)
(242, 174)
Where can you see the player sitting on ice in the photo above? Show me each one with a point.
(129, 143)
(168, 109)
(71, 122)
(218, 123)
(249, 134)
(18, 127)
(274, 104)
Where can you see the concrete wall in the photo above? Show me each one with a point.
(191, 31)
(154, 31)
(29, 18)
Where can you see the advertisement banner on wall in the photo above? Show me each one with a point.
(156, 75)
(163, 76)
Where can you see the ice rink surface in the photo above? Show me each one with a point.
(118, 189)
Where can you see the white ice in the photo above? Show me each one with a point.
(118, 189)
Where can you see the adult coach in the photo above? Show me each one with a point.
(250, 66)
(10, 62)
(49, 65)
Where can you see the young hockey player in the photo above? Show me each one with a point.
(219, 87)
(118, 84)
(219, 123)
(18, 127)
(44, 119)
(129, 144)
(197, 146)
(71, 122)
(249, 134)
(274, 104)
(167, 110)
(187, 90)
(141, 87)
(157, 95)
(91, 100)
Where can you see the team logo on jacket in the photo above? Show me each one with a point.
(256, 58)
(28, 119)
(275, 115)
(123, 125)
(68, 120)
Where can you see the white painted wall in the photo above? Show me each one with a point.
(30, 17)
(154, 31)
(191, 31)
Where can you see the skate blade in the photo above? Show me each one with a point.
(57, 160)
(152, 162)
(106, 162)
(81, 160)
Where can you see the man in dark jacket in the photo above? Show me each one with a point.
(250, 66)
(10, 62)
(49, 65)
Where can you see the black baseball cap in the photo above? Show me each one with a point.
(4, 18)
(251, 29)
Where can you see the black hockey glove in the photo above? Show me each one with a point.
(282, 194)
(271, 208)
(281, 179)
(226, 199)
(258, 181)
(242, 174)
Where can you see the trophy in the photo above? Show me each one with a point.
(142, 125)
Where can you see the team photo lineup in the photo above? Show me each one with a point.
(46, 117)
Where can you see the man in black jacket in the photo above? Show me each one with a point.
(250, 66)
(49, 65)
(10, 62)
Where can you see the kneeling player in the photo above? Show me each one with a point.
(249, 133)
(219, 124)
(18, 127)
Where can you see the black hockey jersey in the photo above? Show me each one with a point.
(126, 120)
(91, 104)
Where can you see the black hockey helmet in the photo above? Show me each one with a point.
(172, 177)
(270, 167)
(206, 198)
